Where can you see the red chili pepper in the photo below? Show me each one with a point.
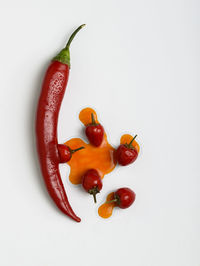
(50, 100)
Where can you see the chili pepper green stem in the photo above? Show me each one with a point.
(73, 35)
(64, 55)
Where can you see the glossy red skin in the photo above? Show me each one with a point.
(95, 134)
(50, 100)
(126, 197)
(126, 155)
(91, 179)
(64, 153)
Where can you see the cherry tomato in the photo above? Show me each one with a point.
(126, 153)
(65, 152)
(124, 197)
(94, 132)
(92, 182)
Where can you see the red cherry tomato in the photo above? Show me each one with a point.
(94, 132)
(65, 153)
(126, 153)
(124, 197)
(92, 182)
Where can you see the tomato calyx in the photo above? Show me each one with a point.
(129, 145)
(93, 192)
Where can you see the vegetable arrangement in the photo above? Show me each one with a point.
(88, 162)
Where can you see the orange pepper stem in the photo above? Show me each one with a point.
(78, 149)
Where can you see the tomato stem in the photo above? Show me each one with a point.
(93, 120)
(111, 201)
(78, 149)
(93, 191)
(73, 35)
(94, 196)
(132, 140)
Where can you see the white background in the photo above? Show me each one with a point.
(137, 64)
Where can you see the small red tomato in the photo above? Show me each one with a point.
(94, 132)
(124, 197)
(65, 152)
(92, 183)
(126, 153)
